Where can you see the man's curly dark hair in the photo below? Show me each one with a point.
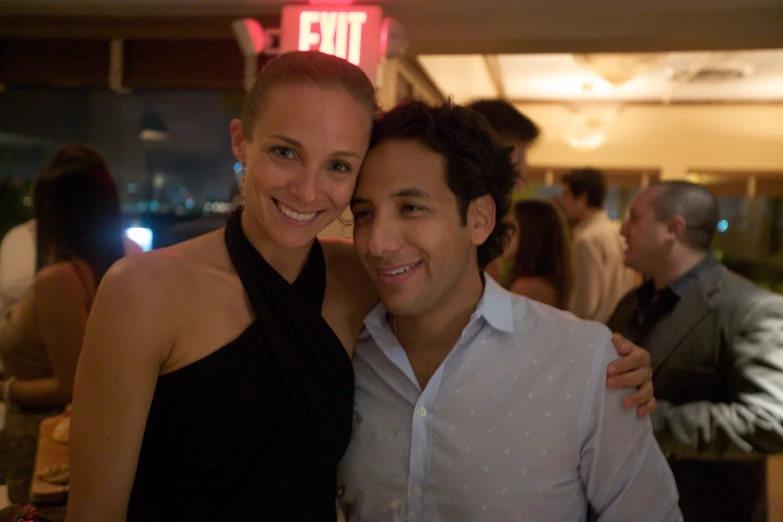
(475, 163)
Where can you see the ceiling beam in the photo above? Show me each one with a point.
(523, 28)
(495, 74)
(573, 31)
(129, 28)
(646, 103)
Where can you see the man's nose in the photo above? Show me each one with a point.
(384, 237)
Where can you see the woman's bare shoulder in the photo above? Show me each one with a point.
(64, 278)
(177, 260)
(352, 279)
(209, 249)
(160, 273)
(61, 271)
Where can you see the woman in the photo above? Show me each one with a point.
(228, 389)
(78, 238)
(540, 255)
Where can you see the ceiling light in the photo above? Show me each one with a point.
(586, 142)
(153, 128)
(590, 125)
(619, 68)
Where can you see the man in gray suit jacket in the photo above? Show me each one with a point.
(716, 344)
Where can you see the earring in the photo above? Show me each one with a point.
(239, 172)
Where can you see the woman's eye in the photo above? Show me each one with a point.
(339, 166)
(284, 152)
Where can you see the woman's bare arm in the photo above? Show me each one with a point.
(61, 309)
(536, 289)
(61, 305)
(129, 334)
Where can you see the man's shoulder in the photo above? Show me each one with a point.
(20, 235)
(538, 320)
(734, 283)
(555, 339)
(736, 292)
(598, 235)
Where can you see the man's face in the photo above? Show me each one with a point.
(407, 229)
(645, 236)
(572, 206)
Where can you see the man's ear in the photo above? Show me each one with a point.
(238, 141)
(582, 199)
(481, 219)
(675, 227)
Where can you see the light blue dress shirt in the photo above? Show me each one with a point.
(516, 424)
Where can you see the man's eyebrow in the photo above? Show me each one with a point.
(297, 144)
(411, 192)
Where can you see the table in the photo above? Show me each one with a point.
(50, 498)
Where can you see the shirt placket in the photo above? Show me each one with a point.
(421, 446)
(421, 430)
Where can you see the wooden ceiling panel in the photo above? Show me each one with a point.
(78, 63)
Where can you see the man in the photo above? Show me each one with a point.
(600, 277)
(716, 342)
(513, 129)
(473, 403)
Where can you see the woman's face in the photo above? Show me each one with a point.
(302, 160)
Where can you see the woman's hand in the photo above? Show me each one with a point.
(633, 370)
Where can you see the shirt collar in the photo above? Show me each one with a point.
(684, 282)
(597, 217)
(681, 285)
(495, 307)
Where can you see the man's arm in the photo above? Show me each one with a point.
(754, 420)
(623, 470)
(585, 296)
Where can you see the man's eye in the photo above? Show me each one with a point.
(412, 208)
(360, 214)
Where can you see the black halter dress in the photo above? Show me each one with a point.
(255, 430)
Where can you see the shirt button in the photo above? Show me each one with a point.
(422, 412)
(417, 491)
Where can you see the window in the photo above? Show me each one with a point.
(179, 170)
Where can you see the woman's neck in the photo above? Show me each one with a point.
(288, 262)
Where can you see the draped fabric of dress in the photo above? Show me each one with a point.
(255, 430)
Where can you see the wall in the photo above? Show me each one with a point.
(673, 138)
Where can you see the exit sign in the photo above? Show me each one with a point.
(352, 33)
